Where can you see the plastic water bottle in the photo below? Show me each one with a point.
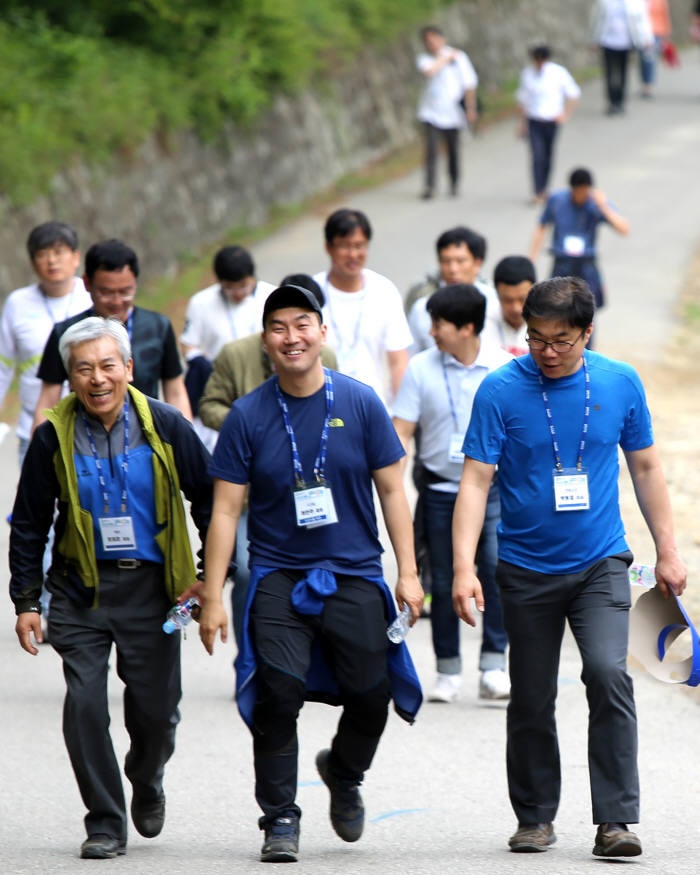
(179, 616)
(398, 630)
(642, 575)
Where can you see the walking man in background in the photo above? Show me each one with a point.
(447, 103)
(546, 96)
(111, 277)
(364, 313)
(552, 421)
(436, 395)
(30, 313)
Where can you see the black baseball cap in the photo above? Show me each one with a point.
(291, 296)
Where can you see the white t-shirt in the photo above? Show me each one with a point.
(439, 103)
(212, 320)
(420, 323)
(500, 333)
(27, 319)
(543, 93)
(364, 325)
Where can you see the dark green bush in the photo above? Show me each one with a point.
(90, 77)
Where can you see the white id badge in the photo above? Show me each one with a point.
(314, 507)
(117, 533)
(455, 453)
(571, 489)
(574, 245)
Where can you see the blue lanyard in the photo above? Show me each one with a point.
(356, 333)
(98, 463)
(130, 326)
(68, 305)
(320, 463)
(584, 432)
(453, 409)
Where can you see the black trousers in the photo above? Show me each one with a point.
(132, 608)
(352, 632)
(596, 604)
(615, 66)
(542, 135)
(451, 138)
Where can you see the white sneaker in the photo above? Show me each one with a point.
(446, 688)
(494, 684)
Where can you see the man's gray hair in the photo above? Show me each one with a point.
(93, 328)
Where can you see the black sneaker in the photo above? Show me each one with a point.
(347, 812)
(281, 843)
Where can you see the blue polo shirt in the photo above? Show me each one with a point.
(509, 427)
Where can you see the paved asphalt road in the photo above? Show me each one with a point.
(436, 797)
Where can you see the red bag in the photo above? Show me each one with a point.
(669, 53)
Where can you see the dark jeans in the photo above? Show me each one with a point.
(352, 632)
(542, 136)
(615, 65)
(596, 604)
(132, 608)
(439, 507)
(451, 138)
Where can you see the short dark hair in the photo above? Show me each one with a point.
(430, 28)
(49, 234)
(513, 270)
(460, 304)
(540, 53)
(110, 255)
(580, 176)
(474, 241)
(306, 282)
(564, 299)
(344, 221)
(233, 263)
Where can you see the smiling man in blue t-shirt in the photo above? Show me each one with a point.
(311, 442)
(552, 421)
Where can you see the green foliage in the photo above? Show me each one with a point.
(91, 77)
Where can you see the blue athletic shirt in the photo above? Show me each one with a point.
(509, 428)
(253, 447)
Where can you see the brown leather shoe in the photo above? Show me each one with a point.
(532, 837)
(615, 840)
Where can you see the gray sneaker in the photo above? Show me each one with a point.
(281, 843)
(347, 812)
(530, 838)
(615, 840)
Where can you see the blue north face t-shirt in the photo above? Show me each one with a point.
(254, 447)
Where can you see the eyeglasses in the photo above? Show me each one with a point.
(60, 250)
(352, 247)
(557, 345)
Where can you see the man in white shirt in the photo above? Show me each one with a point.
(364, 311)
(461, 253)
(513, 278)
(447, 102)
(546, 96)
(436, 394)
(228, 310)
(30, 313)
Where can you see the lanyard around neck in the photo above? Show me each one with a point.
(550, 421)
(320, 463)
(98, 463)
